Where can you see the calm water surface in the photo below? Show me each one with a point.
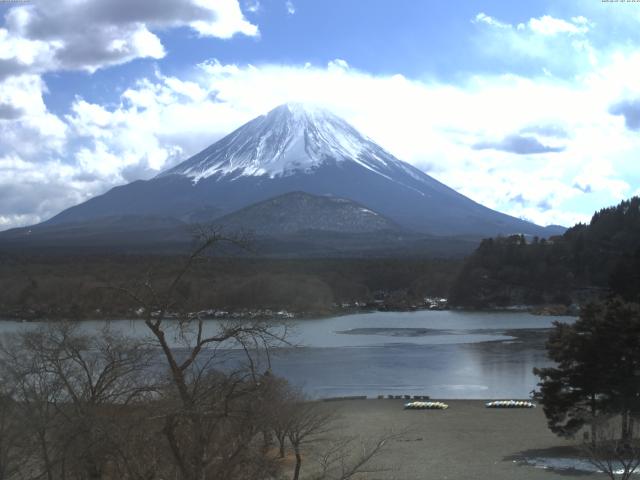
(444, 354)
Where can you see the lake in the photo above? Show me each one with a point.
(444, 354)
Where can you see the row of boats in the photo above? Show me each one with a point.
(510, 404)
(426, 406)
(494, 404)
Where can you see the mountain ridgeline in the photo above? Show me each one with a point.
(587, 261)
(260, 173)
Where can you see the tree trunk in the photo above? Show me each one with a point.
(626, 433)
(266, 439)
(170, 434)
(45, 454)
(296, 471)
(281, 442)
(594, 432)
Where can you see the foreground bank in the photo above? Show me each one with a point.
(466, 440)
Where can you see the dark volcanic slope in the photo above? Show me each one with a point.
(297, 212)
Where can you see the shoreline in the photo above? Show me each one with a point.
(541, 310)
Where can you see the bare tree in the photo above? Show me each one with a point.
(307, 423)
(138, 455)
(11, 438)
(74, 389)
(36, 393)
(313, 429)
(196, 401)
(279, 400)
(615, 453)
(208, 412)
(349, 456)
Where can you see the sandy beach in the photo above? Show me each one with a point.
(466, 441)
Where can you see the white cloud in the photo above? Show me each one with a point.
(31, 131)
(544, 25)
(548, 25)
(337, 65)
(252, 6)
(600, 175)
(93, 34)
(227, 20)
(30, 191)
(559, 45)
(291, 9)
(486, 19)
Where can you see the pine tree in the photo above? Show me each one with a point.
(597, 369)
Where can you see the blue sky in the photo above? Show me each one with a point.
(532, 108)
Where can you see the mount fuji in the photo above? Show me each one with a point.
(293, 148)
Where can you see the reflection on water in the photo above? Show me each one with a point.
(444, 354)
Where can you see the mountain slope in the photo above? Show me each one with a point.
(292, 225)
(295, 148)
(125, 233)
(297, 212)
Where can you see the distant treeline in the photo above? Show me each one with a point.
(87, 286)
(598, 259)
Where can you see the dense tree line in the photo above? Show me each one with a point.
(588, 261)
(77, 287)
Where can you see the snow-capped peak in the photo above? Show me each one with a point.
(291, 138)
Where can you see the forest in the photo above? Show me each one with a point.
(78, 287)
(588, 262)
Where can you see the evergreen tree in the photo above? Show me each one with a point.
(597, 369)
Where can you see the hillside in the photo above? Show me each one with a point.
(592, 260)
(295, 212)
